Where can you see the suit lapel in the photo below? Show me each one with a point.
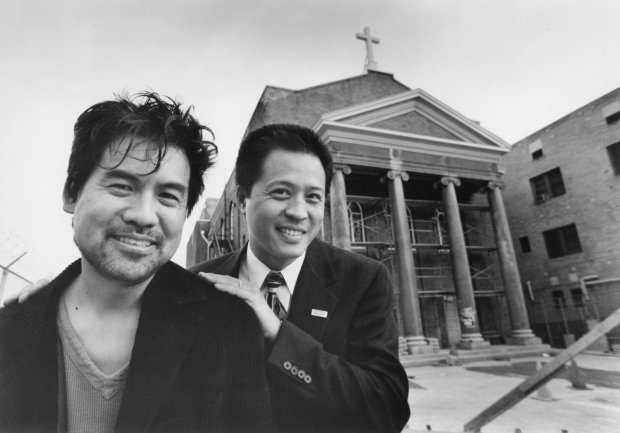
(32, 380)
(36, 376)
(315, 294)
(233, 263)
(225, 265)
(165, 334)
(45, 369)
(315, 288)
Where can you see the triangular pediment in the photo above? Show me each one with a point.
(412, 131)
(418, 113)
(416, 123)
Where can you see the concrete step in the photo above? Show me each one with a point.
(503, 348)
(463, 356)
(498, 352)
(422, 359)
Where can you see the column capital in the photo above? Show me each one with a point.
(342, 167)
(447, 180)
(495, 184)
(393, 174)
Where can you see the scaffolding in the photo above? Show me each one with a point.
(372, 235)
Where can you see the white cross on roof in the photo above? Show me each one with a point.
(369, 39)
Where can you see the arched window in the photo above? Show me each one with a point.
(410, 225)
(356, 222)
(440, 230)
(231, 221)
(209, 241)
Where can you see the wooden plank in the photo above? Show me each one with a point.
(543, 375)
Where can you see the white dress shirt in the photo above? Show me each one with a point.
(254, 272)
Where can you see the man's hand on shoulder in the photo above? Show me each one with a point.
(27, 291)
(269, 323)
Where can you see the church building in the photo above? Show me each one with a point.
(417, 186)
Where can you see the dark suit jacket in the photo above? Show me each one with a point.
(352, 379)
(196, 365)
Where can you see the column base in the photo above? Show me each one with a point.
(523, 337)
(417, 345)
(472, 342)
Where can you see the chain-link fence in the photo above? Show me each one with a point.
(567, 314)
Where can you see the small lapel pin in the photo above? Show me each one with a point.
(319, 313)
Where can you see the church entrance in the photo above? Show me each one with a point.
(434, 319)
(488, 308)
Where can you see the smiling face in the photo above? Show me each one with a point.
(285, 208)
(127, 223)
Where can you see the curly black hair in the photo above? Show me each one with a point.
(159, 120)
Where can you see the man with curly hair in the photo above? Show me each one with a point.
(124, 340)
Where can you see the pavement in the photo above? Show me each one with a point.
(445, 398)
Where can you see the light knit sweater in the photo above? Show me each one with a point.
(91, 399)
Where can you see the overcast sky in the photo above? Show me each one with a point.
(513, 65)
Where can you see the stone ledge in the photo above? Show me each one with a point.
(462, 356)
(420, 360)
(521, 341)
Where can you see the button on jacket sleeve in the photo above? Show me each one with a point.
(351, 378)
(340, 333)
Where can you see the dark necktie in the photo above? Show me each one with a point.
(272, 282)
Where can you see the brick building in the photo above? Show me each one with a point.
(198, 244)
(562, 195)
(416, 187)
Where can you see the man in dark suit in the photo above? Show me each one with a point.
(325, 313)
(124, 340)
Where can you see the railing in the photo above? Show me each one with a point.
(559, 321)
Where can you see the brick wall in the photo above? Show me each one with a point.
(577, 145)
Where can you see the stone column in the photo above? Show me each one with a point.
(521, 331)
(470, 328)
(409, 302)
(341, 233)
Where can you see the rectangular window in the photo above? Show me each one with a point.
(547, 185)
(562, 241)
(558, 299)
(577, 297)
(611, 112)
(535, 149)
(613, 118)
(525, 244)
(614, 157)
